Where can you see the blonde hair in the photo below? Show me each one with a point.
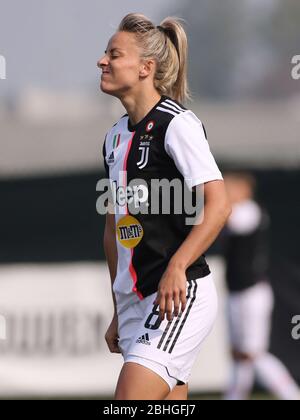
(168, 45)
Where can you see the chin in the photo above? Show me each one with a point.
(105, 88)
(109, 91)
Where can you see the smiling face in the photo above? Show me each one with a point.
(122, 66)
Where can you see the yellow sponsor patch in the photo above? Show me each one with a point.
(129, 231)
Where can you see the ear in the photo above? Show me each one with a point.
(147, 67)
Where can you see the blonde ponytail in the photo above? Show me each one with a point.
(168, 45)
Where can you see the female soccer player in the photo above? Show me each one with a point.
(164, 295)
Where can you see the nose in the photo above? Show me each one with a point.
(102, 62)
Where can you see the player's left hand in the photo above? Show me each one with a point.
(171, 290)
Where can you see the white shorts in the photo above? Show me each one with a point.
(169, 348)
(250, 314)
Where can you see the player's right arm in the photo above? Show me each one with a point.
(110, 250)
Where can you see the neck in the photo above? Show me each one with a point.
(138, 105)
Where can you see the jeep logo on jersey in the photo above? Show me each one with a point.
(149, 126)
(129, 231)
(132, 194)
(144, 157)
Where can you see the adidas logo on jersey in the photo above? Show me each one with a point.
(144, 339)
(111, 158)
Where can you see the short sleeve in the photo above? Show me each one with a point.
(186, 144)
(104, 158)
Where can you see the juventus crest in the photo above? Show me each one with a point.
(144, 156)
(145, 142)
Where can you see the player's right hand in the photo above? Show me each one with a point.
(112, 337)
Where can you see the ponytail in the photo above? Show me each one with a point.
(168, 45)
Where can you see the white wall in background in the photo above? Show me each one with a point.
(56, 317)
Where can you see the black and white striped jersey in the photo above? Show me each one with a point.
(169, 143)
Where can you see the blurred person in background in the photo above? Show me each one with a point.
(250, 301)
(164, 294)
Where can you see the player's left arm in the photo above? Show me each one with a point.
(172, 286)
